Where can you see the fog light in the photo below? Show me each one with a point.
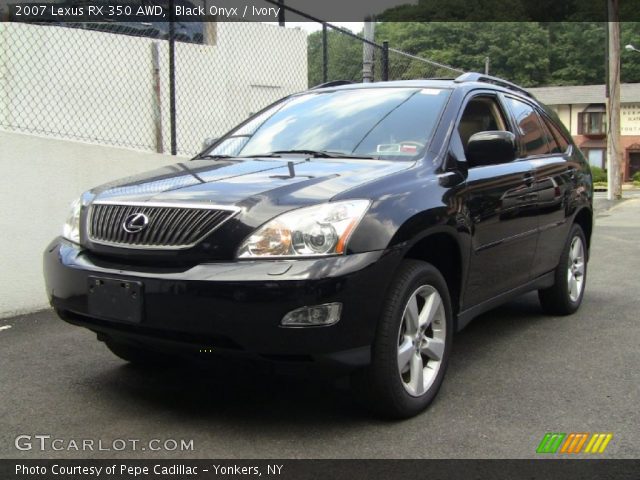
(318, 315)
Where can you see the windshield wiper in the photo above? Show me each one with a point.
(312, 153)
(213, 157)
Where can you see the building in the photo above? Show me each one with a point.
(582, 109)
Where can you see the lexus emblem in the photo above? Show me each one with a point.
(135, 223)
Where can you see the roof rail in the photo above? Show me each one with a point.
(480, 77)
(334, 83)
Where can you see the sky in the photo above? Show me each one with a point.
(311, 27)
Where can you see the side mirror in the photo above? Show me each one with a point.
(209, 141)
(488, 148)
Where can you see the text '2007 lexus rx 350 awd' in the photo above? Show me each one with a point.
(352, 226)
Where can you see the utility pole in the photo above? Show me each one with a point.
(367, 50)
(614, 153)
(486, 65)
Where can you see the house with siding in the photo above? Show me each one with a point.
(582, 109)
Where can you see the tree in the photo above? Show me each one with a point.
(528, 53)
(344, 57)
(514, 47)
(576, 53)
(630, 61)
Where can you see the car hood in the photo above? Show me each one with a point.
(247, 182)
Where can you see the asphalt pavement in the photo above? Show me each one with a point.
(515, 374)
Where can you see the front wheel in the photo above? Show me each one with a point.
(565, 296)
(412, 345)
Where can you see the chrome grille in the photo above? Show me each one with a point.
(169, 227)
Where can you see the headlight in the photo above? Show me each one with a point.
(71, 227)
(311, 231)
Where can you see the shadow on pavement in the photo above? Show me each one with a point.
(229, 390)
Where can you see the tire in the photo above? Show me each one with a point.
(565, 296)
(390, 385)
(140, 356)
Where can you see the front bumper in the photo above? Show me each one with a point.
(233, 307)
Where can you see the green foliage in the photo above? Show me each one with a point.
(636, 177)
(576, 53)
(528, 53)
(504, 10)
(465, 45)
(630, 61)
(599, 175)
(344, 55)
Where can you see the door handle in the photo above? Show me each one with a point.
(528, 179)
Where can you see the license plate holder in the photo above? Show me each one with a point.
(115, 299)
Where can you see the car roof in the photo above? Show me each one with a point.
(467, 81)
(426, 83)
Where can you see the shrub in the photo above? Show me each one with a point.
(598, 174)
(636, 177)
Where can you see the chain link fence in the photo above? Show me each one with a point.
(124, 84)
(114, 87)
(405, 66)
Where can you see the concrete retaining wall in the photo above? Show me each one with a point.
(40, 178)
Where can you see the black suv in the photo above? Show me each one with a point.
(352, 225)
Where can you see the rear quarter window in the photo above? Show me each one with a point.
(559, 137)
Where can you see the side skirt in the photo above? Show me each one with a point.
(466, 316)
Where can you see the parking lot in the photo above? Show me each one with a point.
(515, 374)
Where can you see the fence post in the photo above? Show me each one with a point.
(157, 98)
(385, 61)
(367, 51)
(281, 13)
(172, 75)
(325, 54)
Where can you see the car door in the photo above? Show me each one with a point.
(501, 209)
(555, 180)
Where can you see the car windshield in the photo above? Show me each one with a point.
(381, 123)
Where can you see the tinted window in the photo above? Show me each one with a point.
(551, 141)
(387, 123)
(529, 128)
(561, 141)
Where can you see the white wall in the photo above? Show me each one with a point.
(40, 178)
(251, 66)
(629, 117)
(564, 114)
(99, 87)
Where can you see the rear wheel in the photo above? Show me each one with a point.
(565, 296)
(412, 345)
(140, 356)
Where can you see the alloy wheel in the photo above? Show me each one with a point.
(575, 271)
(421, 340)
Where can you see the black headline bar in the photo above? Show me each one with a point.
(312, 10)
(547, 469)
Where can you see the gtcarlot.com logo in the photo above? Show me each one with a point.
(574, 443)
(45, 443)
